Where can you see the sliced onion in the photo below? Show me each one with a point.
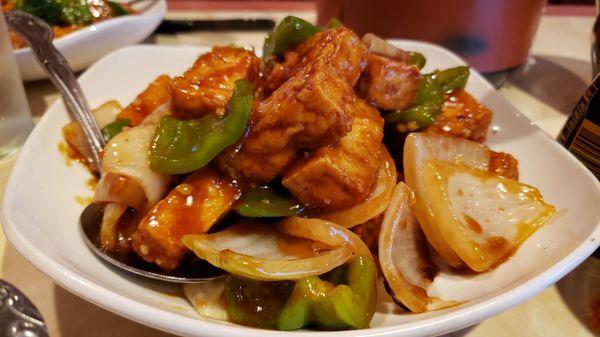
(127, 155)
(257, 251)
(403, 255)
(375, 204)
(108, 228)
(74, 135)
(207, 298)
(325, 232)
(117, 188)
(379, 46)
(421, 147)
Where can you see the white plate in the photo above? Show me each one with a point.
(41, 214)
(89, 44)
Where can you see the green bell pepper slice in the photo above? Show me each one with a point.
(289, 32)
(183, 146)
(331, 306)
(417, 59)
(452, 78)
(255, 303)
(264, 202)
(430, 96)
(114, 128)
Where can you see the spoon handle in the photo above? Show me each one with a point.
(39, 35)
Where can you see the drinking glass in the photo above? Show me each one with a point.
(15, 116)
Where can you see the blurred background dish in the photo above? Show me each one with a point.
(88, 44)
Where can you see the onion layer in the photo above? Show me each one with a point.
(260, 252)
(403, 256)
(375, 204)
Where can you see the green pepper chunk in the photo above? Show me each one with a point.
(255, 303)
(343, 306)
(430, 96)
(114, 128)
(289, 32)
(428, 104)
(264, 202)
(183, 146)
(117, 9)
(417, 59)
(452, 78)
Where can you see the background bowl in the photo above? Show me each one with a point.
(87, 45)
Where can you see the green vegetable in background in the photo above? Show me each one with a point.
(343, 306)
(114, 128)
(76, 12)
(47, 10)
(182, 146)
(417, 59)
(430, 96)
(255, 303)
(117, 9)
(264, 202)
(289, 32)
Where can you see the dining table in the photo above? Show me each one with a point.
(545, 89)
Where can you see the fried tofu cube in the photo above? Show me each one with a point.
(389, 84)
(340, 47)
(462, 116)
(342, 174)
(313, 108)
(192, 207)
(156, 94)
(207, 86)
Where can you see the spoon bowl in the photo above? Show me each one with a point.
(191, 269)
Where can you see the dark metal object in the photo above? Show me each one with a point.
(191, 270)
(183, 26)
(18, 316)
(40, 35)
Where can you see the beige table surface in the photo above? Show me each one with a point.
(545, 90)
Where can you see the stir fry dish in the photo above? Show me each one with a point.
(309, 175)
(65, 16)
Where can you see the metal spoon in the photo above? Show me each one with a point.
(18, 316)
(39, 35)
(191, 269)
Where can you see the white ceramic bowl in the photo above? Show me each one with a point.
(89, 44)
(41, 214)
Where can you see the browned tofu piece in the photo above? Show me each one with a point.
(340, 47)
(342, 174)
(208, 84)
(462, 116)
(389, 84)
(313, 108)
(155, 95)
(192, 207)
(504, 164)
